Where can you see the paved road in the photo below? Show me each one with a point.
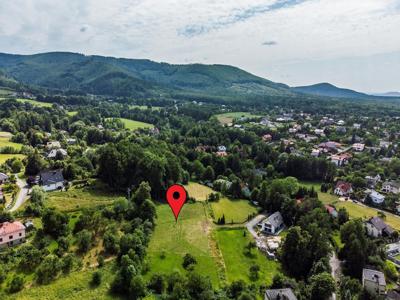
(252, 223)
(22, 195)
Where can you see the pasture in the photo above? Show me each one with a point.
(134, 125)
(198, 191)
(232, 243)
(5, 142)
(235, 211)
(227, 118)
(172, 240)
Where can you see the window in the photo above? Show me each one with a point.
(10, 237)
(1, 239)
(20, 234)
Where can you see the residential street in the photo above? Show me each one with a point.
(22, 195)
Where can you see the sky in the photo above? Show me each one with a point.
(349, 43)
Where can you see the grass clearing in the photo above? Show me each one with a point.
(5, 157)
(198, 191)
(144, 107)
(79, 198)
(72, 113)
(5, 142)
(172, 240)
(235, 211)
(35, 103)
(134, 125)
(232, 243)
(230, 116)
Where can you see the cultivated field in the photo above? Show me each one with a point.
(229, 117)
(235, 211)
(198, 191)
(232, 244)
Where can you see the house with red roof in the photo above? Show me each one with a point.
(11, 233)
(343, 188)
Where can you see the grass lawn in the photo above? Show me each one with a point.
(235, 211)
(73, 286)
(230, 116)
(191, 234)
(231, 243)
(35, 103)
(198, 191)
(5, 157)
(78, 198)
(143, 107)
(134, 125)
(5, 142)
(72, 113)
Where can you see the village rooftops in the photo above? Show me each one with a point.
(3, 177)
(51, 177)
(379, 224)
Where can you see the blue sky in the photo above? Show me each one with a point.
(350, 43)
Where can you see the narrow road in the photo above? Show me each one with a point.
(22, 195)
(335, 264)
(252, 223)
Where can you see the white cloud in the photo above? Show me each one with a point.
(320, 33)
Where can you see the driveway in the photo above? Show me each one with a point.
(253, 222)
(335, 264)
(22, 195)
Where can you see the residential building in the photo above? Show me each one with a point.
(374, 281)
(53, 145)
(71, 141)
(331, 210)
(267, 137)
(315, 152)
(358, 147)
(221, 149)
(51, 180)
(280, 294)
(377, 227)
(11, 233)
(319, 131)
(373, 181)
(356, 126)
(376, 197)
(391, 187)
(54, 152)
(273, 224)
(343, 188)
(3, 178)
(341, 159)
(341, 129)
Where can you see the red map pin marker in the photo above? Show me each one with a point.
(176, 197)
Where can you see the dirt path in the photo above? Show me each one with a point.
(22, 195)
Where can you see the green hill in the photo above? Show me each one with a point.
(133, 77)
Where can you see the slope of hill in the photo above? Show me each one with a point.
(130, 77)
(329, 90)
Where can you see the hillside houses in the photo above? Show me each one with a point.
(376, 227)
(343, 188)
(374, 282)
(11, 233)
(51, 180)
(391, 187)
(273, 224)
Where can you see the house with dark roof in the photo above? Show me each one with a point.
(273, 224)
(377, 227)
(374, 281)
(51, 180)
(280, 294)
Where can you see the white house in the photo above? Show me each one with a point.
(377, 227)
(11, 233)
(273, 224)
(315, 152)
(3, 178)
(319, 131)
(53, 145)
(391, 187)
(373, 181)
(51, 180)
(374, 281)
(343, 188)
(358, 147)
(54, 152)
(221, 149)
(376, 197)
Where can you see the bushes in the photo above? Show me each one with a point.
(16, 284)
(188, 261)
(48, 269)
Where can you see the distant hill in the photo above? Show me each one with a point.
(133, 77)
(389, 94)
(329, 90)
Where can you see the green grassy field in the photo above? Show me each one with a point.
(191, 234)
(235, 211)
(230, 116)
(74, 286)
(35, 103)
(72, 113)
(78, 198)
(198, 191)
(5, 91)
(134, 125)
(232, 243)
(5, 142)
(143, 107)
(5, 157)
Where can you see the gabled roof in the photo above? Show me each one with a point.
(275, 219)
(379, 224)
(50, 177)
(3, 176)
(10, 227)
(374, 275)
(280, 294)
(343, 186)
(395, 184)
